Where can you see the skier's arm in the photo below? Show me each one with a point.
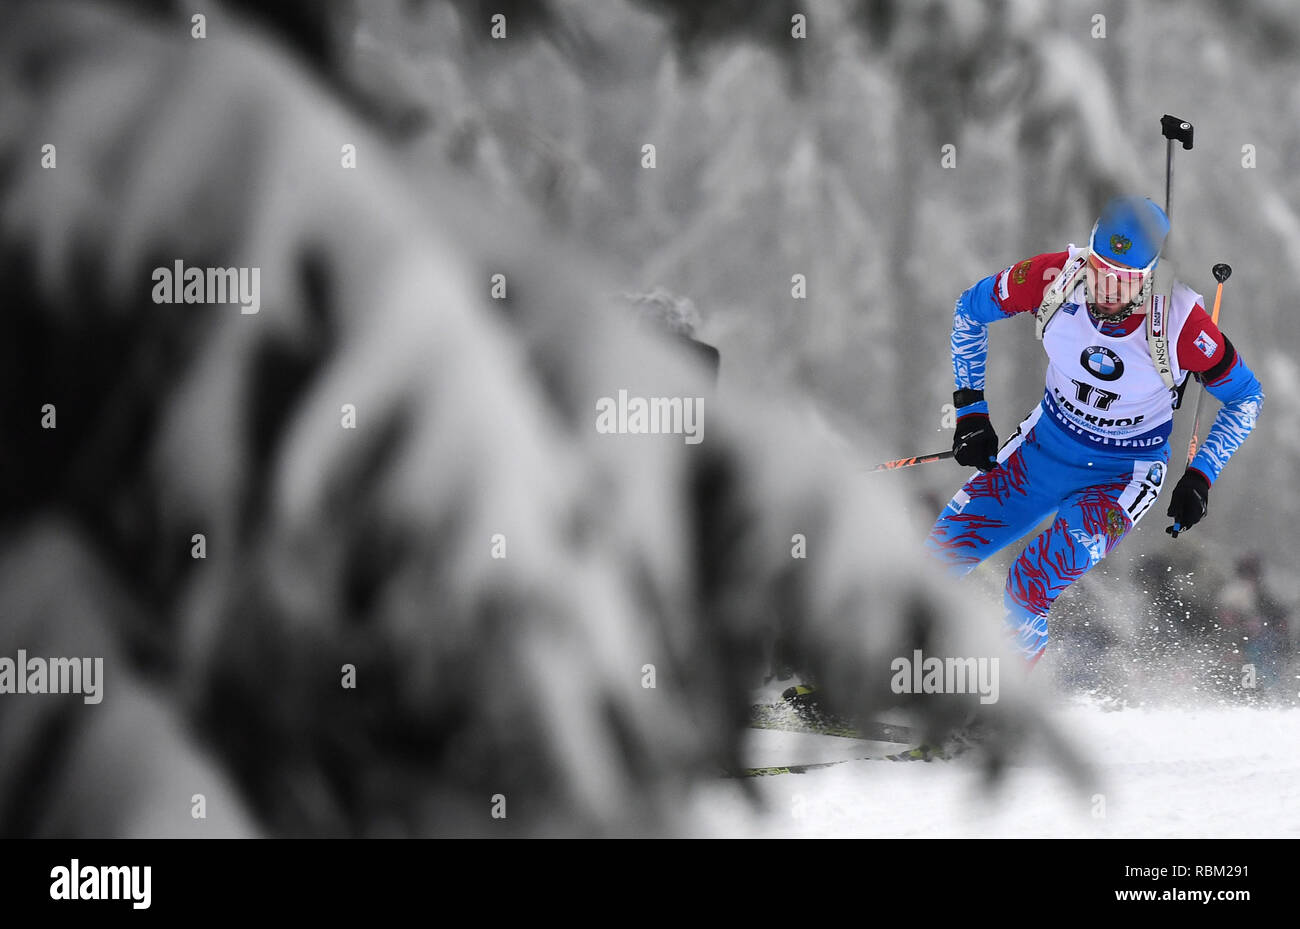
(1206, 351)
(1241, 394)
(1016, 289)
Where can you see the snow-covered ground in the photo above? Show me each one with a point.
(1232, 772)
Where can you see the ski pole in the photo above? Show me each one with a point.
(1221, 273)
(908, 462)
(1174, 130)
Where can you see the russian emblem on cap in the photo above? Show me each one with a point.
(1119, 244)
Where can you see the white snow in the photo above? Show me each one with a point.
(1232, 772)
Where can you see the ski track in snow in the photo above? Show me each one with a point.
(1194, 773)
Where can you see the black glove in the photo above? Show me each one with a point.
(975, 444)
(1190, 500)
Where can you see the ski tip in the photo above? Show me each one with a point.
(927, 753)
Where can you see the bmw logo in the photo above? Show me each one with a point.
(1102, 363)
(1156, 474)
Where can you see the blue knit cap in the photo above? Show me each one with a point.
(1130, 231)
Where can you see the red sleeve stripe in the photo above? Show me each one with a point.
(1020, 288)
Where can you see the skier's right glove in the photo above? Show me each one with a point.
(975, 444)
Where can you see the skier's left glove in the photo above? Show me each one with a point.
(1191, 499)
(975, 444)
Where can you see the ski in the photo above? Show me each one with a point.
(919, 753)
(787, 718)
(799, 711)
(773, 770)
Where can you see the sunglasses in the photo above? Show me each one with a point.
(1112, 283)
